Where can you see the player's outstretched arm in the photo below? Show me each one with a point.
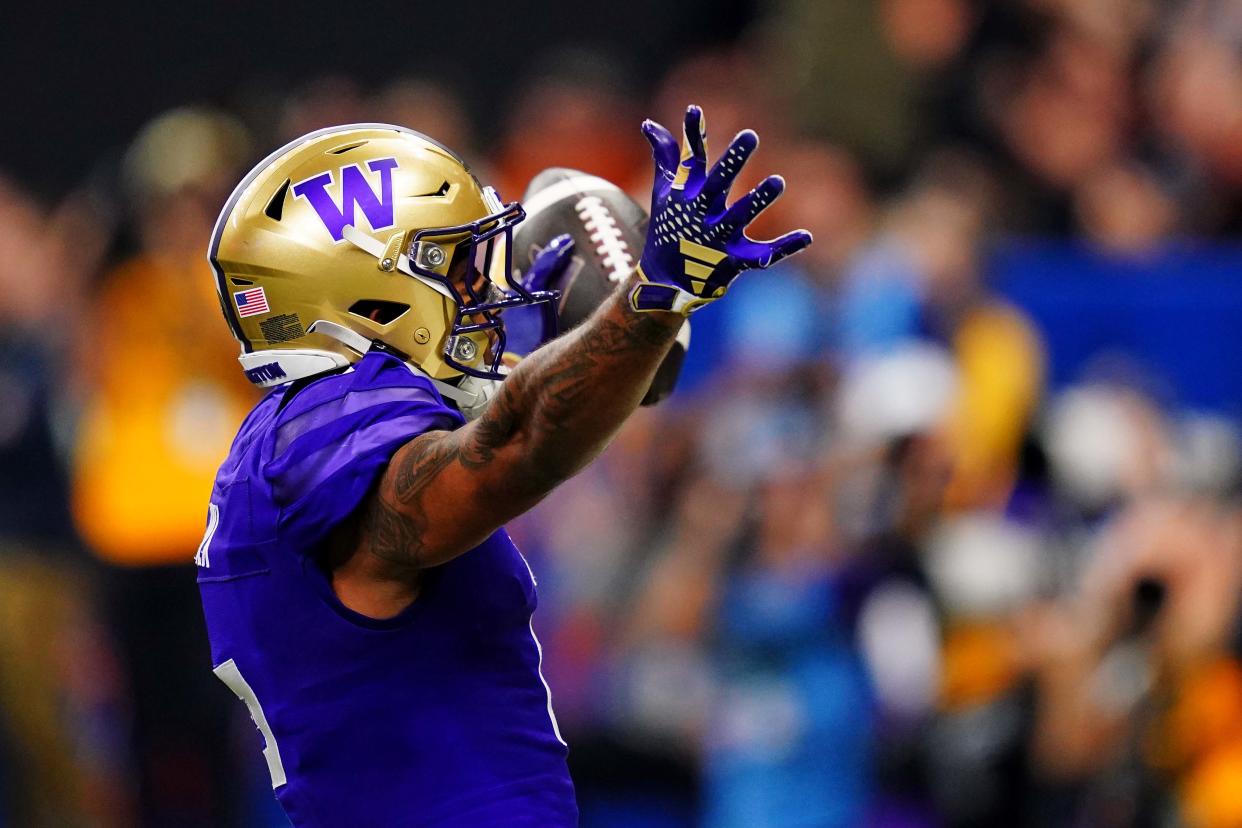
(444, 492)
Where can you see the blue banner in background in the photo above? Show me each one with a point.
(1173, 319)
(1177, 315)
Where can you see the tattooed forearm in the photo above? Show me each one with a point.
(558, 409)
(577, 391)
(496, 427)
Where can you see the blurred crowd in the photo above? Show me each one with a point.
(867, 568)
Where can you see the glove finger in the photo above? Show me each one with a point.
(726, 169)
(761, 254)
(663, 150)
(550, 263)
(693, 167)
(745, 209)
(785, 246)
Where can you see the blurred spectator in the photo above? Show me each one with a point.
(840, 80)
(890, 466)
(165, 401)
(58, 690)
(1108, 444)
(39, 301)
(826, 194)
(790, 740)
(924, 276)
(1123, 208)
(986, 569)
(1197, 89)
(1067, 111)
(324, 102)
(572, 114)
(735, 93)
(927, 33)
(426, 107)
(166, 391)
(1138, 685)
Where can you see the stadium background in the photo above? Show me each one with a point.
(942, 530)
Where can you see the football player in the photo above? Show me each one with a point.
(362, 597)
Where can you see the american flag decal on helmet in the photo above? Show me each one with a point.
(251, 302)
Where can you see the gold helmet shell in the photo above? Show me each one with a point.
(364, 236)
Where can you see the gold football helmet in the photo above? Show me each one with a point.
(368, 236)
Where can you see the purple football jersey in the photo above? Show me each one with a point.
(436, 717)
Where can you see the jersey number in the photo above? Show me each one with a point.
(231, 676)
(203, 556)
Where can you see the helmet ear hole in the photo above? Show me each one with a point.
(378, 310)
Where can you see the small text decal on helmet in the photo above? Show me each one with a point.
(265, 373)
(356, 191)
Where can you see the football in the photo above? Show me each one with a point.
(609, 229)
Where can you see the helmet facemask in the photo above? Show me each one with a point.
(480, 280)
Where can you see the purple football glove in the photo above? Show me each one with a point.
(548, 267)
(697, 243)
(527, 328)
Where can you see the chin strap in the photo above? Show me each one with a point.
(471, 394)
(350, 339)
